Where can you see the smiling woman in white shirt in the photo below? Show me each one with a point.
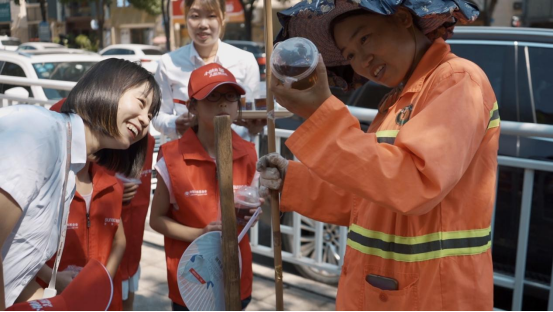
(205, 24)
(106, 119)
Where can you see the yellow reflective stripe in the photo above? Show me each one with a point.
(470, 251)
(495, 107)
(494, 123)
(387, 133)
(466, 233)
(419, 239)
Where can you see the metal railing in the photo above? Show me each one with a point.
(515, 282)
(7, 100)
(45, 83)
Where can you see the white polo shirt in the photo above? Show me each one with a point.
(32, 169)
(173, 74)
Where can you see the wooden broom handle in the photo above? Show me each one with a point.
(275, 211)
(231, 267)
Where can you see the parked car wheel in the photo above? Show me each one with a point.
(331, 247)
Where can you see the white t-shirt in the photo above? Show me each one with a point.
(163, 172)
(173, 74)
(32, 169)
(87, 200)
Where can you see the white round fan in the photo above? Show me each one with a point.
(200, 274)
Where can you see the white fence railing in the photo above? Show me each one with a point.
(45, 83)
(316, 259)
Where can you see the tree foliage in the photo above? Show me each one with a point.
(152, 7)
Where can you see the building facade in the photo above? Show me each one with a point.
(130, 25)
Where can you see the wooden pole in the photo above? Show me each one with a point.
(231, 268)
(275, 211)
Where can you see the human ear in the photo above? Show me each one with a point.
(404, 17)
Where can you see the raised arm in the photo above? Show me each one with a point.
(430, 154)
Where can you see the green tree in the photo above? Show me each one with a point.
(152, 7)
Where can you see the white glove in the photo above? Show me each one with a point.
(272, 168)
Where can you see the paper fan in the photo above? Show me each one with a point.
(200, 274)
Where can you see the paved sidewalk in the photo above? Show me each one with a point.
(304, 295)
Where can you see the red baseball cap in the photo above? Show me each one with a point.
(90, 290)
(208, 77)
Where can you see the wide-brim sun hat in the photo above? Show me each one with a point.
(311, 19)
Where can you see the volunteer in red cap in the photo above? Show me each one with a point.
(185, 203)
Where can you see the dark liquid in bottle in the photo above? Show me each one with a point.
(293, 71)
(306, 82)
(294, 62)
(241, 213)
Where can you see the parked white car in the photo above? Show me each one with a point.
(58, 51)
(145, 55)
(33, 46)
(9, 43)
(63, 67)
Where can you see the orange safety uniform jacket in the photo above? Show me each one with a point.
(417, 190)
(134, 217)
(193, 176)
(90, 235)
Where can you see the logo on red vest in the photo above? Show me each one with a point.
(195, 193)
(72, 226)
(111, 221)
(145, 173)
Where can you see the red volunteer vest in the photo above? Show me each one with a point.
(90, 235)
(134, 217)
(194, 184)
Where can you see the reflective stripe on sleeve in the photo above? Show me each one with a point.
(386, 136)
(494, 117)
